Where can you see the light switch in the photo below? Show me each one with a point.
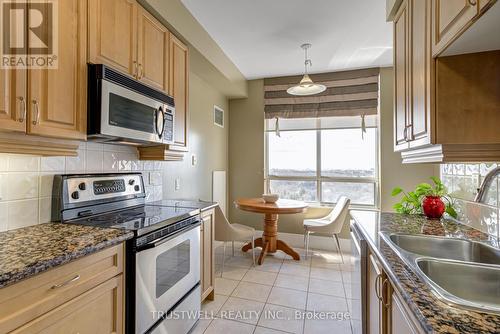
(177, 184)
(194, 160)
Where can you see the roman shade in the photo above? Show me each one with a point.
(348, 93)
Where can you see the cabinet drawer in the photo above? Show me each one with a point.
(98, 311)
(29, 299)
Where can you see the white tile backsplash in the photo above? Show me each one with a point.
(52, 164)
(26, 181)
(3, 216)
(21, 186)
(94, 161)
(76, 164)
(22, 213)
(23, 163)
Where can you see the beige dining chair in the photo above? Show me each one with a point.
(330, 225)
(225, 231)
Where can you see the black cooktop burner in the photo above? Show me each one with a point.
(141, 219)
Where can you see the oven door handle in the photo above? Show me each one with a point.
(160, 241)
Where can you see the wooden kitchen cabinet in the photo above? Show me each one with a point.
(13, 100)
(401, 322)
(413, 70)
(387, 312)
(113, 34)
(124, 36)
(57, 97)
(85, 296)
(445, 108)
(153, 51)
(179, 90)
(98, 311)
(376, 314)
(207, 255)
(449, 19)
(401, 73)
(39, 104)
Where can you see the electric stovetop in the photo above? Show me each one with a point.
(140, 219)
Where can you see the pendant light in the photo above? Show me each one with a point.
(306, 86)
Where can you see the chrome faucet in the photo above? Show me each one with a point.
(485, 185)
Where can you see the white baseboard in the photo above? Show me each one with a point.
(315, 241)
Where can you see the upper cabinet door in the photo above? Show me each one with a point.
(179, 89)
(449, 19)
(401, 73)
(421, 73)
(113, 34)
(57, 98)
(153, 44)
(13, 102)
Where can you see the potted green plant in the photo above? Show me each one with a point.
(431, 200)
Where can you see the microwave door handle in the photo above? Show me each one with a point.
(158, 113)
(163, 122)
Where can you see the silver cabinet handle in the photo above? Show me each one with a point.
(36, 117)
(135, 70)
(140, 73)
(387, 303)
(410, 135)
(23, 109)
(60, 285)
(377, 287)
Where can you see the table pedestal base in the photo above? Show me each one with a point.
(265, 245)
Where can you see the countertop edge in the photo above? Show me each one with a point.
(43, 266)
(424, 324)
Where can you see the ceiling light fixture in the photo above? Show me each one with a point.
(306, 86)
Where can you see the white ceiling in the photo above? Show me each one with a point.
(263, 37)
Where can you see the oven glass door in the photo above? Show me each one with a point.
(127, 114)
(165, 274)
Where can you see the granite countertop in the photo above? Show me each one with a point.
(195, 204)
(31, 250)
(434, 315)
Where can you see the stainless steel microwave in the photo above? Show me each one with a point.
(122, 110)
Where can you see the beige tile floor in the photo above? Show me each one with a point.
(266, 299)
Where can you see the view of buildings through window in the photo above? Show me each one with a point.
(321, 164)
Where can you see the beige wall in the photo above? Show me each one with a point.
(207, 141)
(392, 172)
(246, 151)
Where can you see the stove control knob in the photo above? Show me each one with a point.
(137, 188)
(75, 195)
(131, 182)
(82, 186)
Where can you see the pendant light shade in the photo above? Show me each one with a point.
(306, 86)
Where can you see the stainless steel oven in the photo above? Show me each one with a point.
(167, 281)
(124, 110)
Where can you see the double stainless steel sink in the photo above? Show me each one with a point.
(460, 272)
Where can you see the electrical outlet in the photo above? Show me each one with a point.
(177, 184)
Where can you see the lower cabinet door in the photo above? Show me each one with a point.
(97, 311)
(374, 308)
(207, 256)
(402, 322)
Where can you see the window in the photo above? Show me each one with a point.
(319, 160)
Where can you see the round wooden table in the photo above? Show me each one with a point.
(269, 241)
